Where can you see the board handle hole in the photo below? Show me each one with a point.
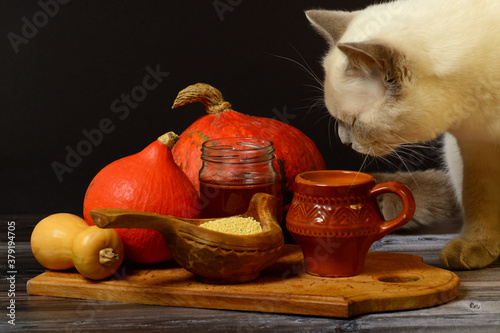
(399, 278)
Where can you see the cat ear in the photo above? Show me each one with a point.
(330, 24)
(365, 56)
(370, 57)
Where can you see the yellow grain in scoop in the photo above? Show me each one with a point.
(235, 225)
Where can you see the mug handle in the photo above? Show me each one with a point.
(406, 197)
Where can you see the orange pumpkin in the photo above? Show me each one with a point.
(295, 152)
(148, 181)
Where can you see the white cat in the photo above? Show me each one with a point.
(406, 72)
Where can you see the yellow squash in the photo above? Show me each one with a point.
(52, 240)
(63, 241)
(97, 253)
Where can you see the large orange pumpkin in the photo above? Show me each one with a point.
(295, 152)
(148, 181)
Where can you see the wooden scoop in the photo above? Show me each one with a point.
(213, 256)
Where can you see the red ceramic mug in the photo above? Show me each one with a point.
(334, 218)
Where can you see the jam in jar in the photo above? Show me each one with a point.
(233, 170)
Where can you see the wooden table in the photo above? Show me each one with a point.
(477, 308)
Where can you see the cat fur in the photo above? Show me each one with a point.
(408, 71)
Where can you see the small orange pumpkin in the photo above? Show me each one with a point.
(295, 152)
(148, 181)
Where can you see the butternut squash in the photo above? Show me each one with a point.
(63, 241)
(97, 253)
(52, 239)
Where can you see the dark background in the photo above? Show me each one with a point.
(62, 79)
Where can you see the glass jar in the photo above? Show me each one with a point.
(233, 170)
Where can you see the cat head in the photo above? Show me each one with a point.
(376, 91)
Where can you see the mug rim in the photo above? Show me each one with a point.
(333, 178)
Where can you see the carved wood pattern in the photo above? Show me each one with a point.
(312, 216)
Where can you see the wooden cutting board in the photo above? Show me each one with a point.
(389, 282)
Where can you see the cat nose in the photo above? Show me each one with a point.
(348, 144)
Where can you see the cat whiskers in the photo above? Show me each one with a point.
(359, 171)
(406, 143)
(415, 156)
(395, 152)
(318, 101)
(361, 168)
(315, 102)
(421, 152)
(364, 164)
(305, 67)
(385, 159)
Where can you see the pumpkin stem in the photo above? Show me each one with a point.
(107, 256)
(169, 139)
(204, 93)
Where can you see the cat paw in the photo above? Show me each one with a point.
(465, 255)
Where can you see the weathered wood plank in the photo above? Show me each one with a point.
(390, 281)
(477, 309)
